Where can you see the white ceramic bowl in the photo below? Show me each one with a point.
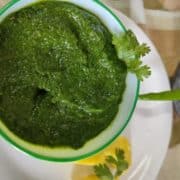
(126, 108)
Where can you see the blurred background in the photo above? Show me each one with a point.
(160, 19)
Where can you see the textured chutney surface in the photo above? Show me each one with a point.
(60, 79)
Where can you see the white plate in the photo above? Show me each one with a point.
(150, 133)
(152, 121)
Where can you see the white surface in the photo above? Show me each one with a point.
(137, 11)
(150, 132)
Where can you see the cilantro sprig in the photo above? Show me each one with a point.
(130, 51)
(103, 171)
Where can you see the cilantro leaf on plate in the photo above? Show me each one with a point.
(104, 172)
(130, 51)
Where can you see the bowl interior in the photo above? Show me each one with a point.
(126, 108)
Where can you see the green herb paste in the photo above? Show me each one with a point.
(61, 81)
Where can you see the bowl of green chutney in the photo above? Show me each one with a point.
(64, 94)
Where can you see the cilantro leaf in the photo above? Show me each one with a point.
(130, 51)
(120, 162)
(111, 160)
(136, 67)
(103, 172)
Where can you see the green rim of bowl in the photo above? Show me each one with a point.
(56, 159)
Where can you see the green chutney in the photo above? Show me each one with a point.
(61, 81)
